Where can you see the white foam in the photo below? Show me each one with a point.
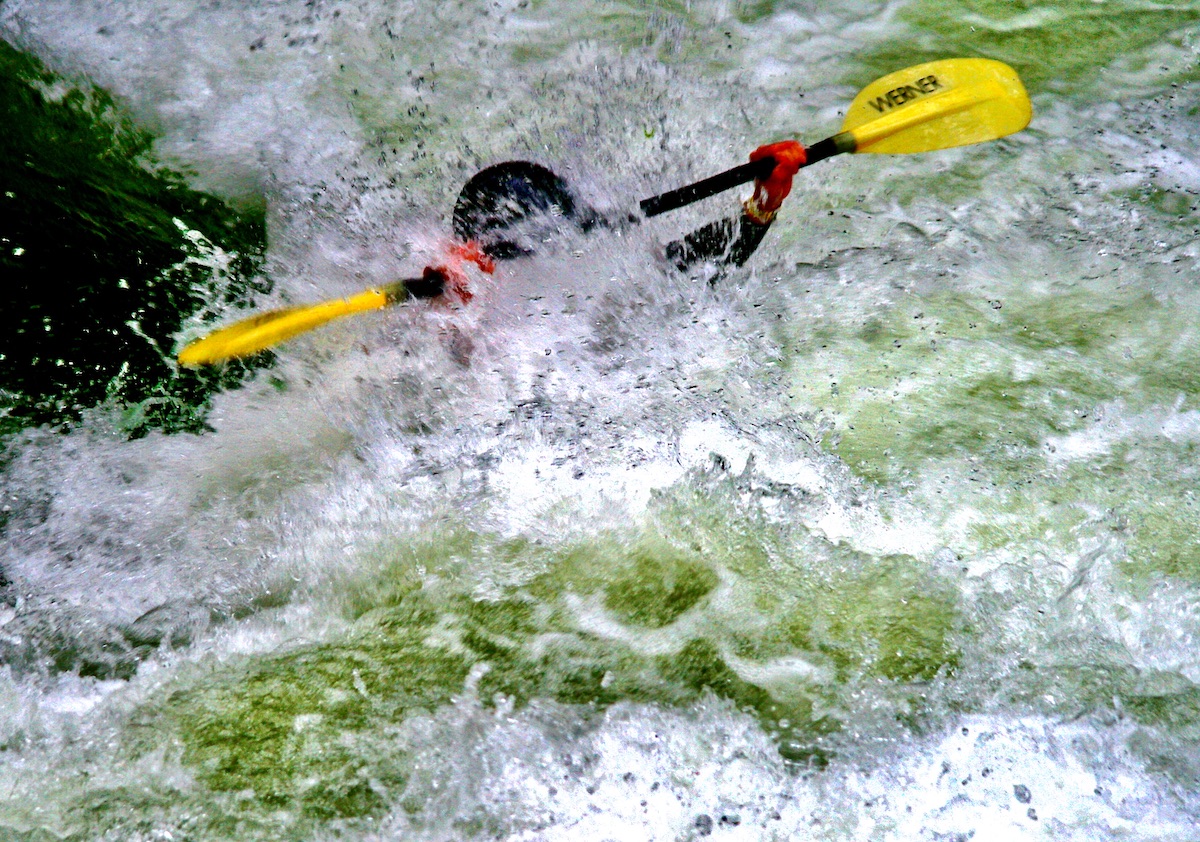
(707, 770)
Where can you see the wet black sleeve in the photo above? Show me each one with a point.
(726, 242)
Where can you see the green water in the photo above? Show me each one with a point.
(103, 259)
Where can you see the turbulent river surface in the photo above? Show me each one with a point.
(891, 534)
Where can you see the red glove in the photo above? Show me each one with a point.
(770, 192)
(453, 273)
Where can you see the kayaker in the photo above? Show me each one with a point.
(934, 105)
(507, 210)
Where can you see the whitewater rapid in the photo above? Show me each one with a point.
(889, 535)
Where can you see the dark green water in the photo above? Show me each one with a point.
(103, 259)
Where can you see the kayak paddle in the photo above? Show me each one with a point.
(257, 333)
(936, 105)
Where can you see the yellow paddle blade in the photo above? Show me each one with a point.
(262, 331)
(939, 104)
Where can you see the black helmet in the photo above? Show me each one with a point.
(494, 203)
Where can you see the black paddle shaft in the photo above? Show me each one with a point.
(710, 186)
(729, 179)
